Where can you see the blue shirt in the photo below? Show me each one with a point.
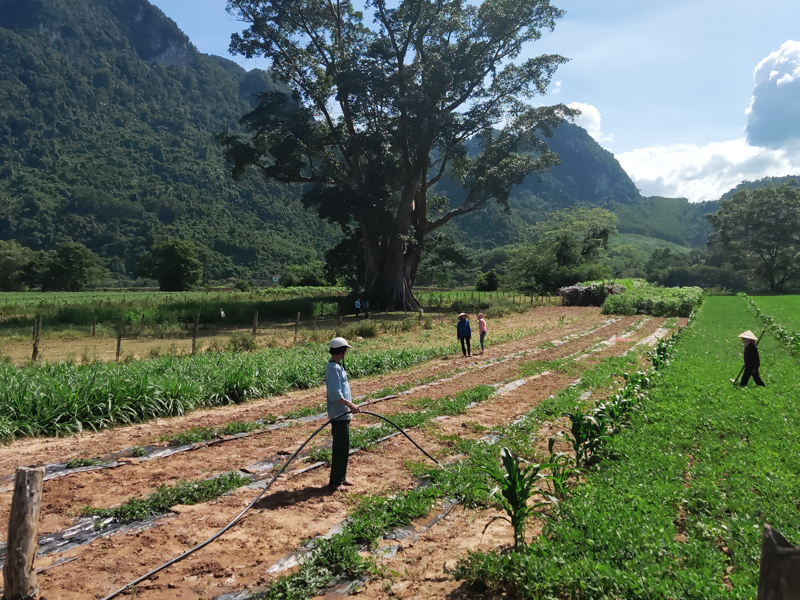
(462, 329)
(337, 389)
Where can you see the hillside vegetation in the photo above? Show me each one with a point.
(108, 118)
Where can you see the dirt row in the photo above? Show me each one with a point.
(64, 497)
(301, 508)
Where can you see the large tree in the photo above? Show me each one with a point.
(761, 229)
(381, 112)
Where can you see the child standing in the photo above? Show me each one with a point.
(482, 329)
(464, 333)
(339, 403)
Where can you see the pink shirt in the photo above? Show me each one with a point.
(482, 326)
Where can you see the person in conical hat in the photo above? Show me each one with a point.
(752, 362)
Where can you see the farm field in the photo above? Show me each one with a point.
(674, 507)
(784, 309)
(82, 327)
(447, 401)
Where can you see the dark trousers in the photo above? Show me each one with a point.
(466, 350)
(483, 337)
(340, 451)
(748, 372)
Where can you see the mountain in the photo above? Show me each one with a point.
(108, 125)
(108, 119)
(762, 183)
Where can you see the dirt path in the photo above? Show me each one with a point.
(301, 509)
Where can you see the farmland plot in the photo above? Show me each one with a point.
(301, 508)
(784, 309)
(678, 507)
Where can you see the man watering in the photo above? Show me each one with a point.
(339, 403)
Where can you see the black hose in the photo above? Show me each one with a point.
(400, 429)
(238, 517)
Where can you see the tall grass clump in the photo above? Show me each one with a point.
(58, 399)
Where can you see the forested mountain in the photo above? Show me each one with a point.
(108, 125)
(108, 118)
(762, 183)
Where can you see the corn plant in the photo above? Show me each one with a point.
(561, 473)
(516, 485)
(588, 433)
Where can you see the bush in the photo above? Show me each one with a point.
(656, 301)
(242, 341)
(487, 282)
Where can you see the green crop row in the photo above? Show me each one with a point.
(167, 496)
(337, 558)
(64, 399)
(677, 506)
(790, 338)
(654, 300)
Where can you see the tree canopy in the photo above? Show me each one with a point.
(761, 229)
(379, 114)
(174, 264)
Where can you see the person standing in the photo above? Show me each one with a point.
(752, 362)
(366, 309)
(341, 409)
(482, 329)
(358, 307)
(464, 333)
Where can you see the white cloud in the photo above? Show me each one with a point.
(773, 117)
(556, 89)
(705, 172)
(590, 120)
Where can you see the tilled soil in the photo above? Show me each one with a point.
(300, 508)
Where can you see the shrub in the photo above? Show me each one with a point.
(242, 341)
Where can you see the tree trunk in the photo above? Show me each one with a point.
(779, 576)
(387, 281)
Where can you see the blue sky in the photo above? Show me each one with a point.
(664, 85)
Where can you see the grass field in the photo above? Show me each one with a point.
(677, 508)
(784, 309)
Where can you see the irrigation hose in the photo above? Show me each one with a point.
(238, 517)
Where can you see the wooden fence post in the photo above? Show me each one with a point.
(296, 326)
(119, 340)
(255, 323)
(194, 332)
(779, 573)
(37, 330)
(19, 575)
(94, 323)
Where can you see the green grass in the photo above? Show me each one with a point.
(784, 309)
(784, 325)
(165, 497)
(677, 508)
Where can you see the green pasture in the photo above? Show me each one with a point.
(784, 309)
(677, 506)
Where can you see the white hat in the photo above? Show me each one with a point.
(748, 335)
(463, 315)
(339, 342)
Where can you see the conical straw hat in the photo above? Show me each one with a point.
(748, 335)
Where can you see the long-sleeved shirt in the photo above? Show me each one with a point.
(482, 326)
(751, 359)
(462, 329)
(337, 389)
